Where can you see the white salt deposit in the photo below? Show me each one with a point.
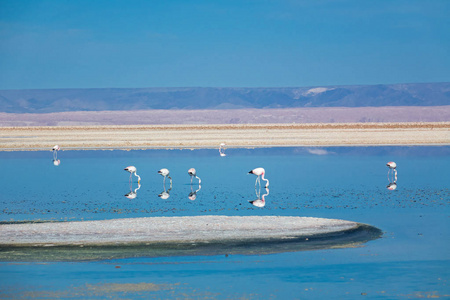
(168, 229)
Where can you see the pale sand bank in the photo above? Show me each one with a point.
(210, 136)
(175, 236)
(168, 230)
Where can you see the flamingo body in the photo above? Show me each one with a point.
(55, 154)
(391, 165)
(260, 173)
(132, 170)
(165, 173)
(193, 173)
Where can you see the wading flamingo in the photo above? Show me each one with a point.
(55, 149)
(392, 168)
(165, 173)
(222, 149)
(260, 173)
(193, 173)
(132, 170)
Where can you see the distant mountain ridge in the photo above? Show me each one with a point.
(125, 99)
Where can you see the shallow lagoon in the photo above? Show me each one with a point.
(410, 260)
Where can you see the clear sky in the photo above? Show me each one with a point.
(229, 43)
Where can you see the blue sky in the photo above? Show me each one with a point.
(284, 43)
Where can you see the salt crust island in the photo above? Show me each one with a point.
(161, 236)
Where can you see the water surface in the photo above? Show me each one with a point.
(410, 260)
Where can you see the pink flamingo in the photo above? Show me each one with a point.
(260, 173)
(132, 170)
(193, 173)
(392, 168)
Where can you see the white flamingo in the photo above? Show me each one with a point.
(222, 149)
(165, 173)
(55, 149)
(132, 170)
(392, 168)
(260, 173)
(193, 173)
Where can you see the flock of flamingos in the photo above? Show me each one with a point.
(259, 172)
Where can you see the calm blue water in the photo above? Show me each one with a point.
(411, 260)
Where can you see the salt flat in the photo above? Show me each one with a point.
(210, 136)
(169, 230)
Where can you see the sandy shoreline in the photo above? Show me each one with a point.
(235, 136)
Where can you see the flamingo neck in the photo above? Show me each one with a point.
(199, 180)
(267, 180)
(139, 177)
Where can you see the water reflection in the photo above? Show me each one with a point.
(133, 194)
(391, 186)
(392, 175)
(260, 201)
(56, 162)
(193, 194)
(222, 149)
(165, 194)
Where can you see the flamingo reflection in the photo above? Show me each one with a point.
(56, 162)
(260, 202)
(391, 186)
(132, 170)
(193, 194)
(133, 194)
(392, 175)
(260, 173)
(165, 194)
(222, 149)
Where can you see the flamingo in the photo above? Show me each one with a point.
(165, 173)
(392, 168)
(132, 170)
(193, 173)
(56, 162)
(260, 202)
(260, 173)
(222, 149)
(55, 149)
